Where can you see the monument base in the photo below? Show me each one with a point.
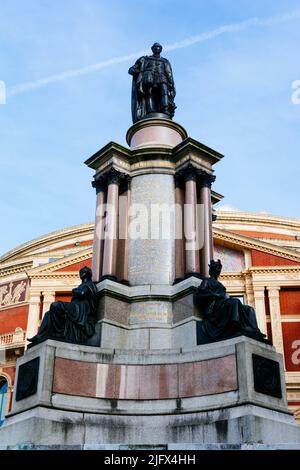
(230, 393)
(233, 426)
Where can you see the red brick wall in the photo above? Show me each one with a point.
(12, 318)
(64, 296)
(289, 301)
(77, 266)
(264, 259)
(291, 341)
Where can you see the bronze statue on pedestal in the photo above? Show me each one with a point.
(153, 88)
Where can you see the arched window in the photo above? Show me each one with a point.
(3, 398)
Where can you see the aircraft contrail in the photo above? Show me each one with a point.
(229, 28)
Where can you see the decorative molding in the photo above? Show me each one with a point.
(275, 269)
(254, 218)
(61, 263)
(53, 237)
(19, 268)
(206, 180)
(250, 243)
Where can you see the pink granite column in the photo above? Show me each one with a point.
(192, 262)
(207, 252)
(179, 230)
(124, 204)
(111, 232)
(98, 243)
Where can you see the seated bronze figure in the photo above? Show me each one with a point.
(223, 317)
(72, 322)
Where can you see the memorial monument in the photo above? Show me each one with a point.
(170, 360)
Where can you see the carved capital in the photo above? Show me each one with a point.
(125, 182)
(273, 292)
(206, 179)
(99, 184)
(114, 176)
(189, 173)
(178, 180)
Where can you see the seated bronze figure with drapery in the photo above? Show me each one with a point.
(223, 317)
(73, 322)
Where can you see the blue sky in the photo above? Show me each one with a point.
(233, 94)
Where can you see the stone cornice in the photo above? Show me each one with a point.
(56, 275)
(61, 263)
(251, 243)
(258, 218)
(190, 145)
(274, 269)
(108, 151)
(12, 269)
(53, 237)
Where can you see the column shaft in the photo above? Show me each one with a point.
(33, 315)
(207, 252)
(276, 327)
(98, 243)
(179, 235)
(192, 264)
(48, 299)
(260, 310)
(110, 241)
(124, 204)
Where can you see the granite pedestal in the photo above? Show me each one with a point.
(228, 393)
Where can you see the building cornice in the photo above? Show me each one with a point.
(257, 218)
(253, 244)
(51, 268)
(53, 237)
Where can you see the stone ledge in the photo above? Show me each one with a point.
(242, 425)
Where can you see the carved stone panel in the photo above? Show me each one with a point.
(13, 293)
(266, 376)
(28, 379)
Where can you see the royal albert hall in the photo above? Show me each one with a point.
(260, 254)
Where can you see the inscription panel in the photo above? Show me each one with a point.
(150, 312)
(152, 230)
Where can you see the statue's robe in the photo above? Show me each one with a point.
(73, 321)
(150, 70)
(223, 317)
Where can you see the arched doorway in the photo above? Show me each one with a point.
(3, 398)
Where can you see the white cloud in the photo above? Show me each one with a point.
(230, 28)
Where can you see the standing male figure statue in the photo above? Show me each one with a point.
(153, 88)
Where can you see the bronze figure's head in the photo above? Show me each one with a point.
(85, 273)
(215, 268)
(156, 48)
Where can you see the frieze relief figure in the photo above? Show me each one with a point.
(11, 294)
(3, 291)
(224, 317)
(72, 322)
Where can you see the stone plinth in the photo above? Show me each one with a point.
(231, 392)
(153, 316)
(155, 133)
